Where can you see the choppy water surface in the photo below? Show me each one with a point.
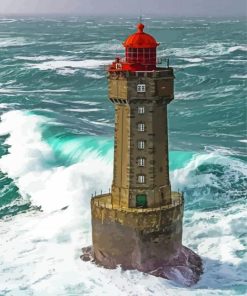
(57, 148)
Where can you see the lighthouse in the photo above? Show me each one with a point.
(138, 224)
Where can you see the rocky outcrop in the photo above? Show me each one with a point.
(185, 268)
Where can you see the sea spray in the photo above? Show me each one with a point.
(31, 163)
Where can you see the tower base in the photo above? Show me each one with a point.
(148, 240)
(184, 269)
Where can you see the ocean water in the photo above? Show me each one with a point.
(56, 149)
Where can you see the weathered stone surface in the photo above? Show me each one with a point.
(185, 268)
(116, 243)
(159, 92)
(149, 240)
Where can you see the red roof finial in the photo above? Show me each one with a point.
(140, 28)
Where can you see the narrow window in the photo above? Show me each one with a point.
(141, 110)
(141, 127)
(141, 179)
(141, 144)
(141, 162)
(141, 88)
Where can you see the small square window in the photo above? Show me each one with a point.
(141, 110)
(141, 127)
(141, 88)
(141, 179)
(118, 66)
(141, 162)
(141, 144)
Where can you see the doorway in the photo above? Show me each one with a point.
(141, 201)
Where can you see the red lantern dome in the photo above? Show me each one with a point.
(140, 39)
(140, 48)
(140, 53)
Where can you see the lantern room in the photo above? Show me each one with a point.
(140, 48)
(140, 53)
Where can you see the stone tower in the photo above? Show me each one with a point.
(140, 92)
(138, 225)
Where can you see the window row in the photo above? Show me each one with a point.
(140, 50)
(141, 60)
(141, 55)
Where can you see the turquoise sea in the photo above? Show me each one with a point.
(56, 149)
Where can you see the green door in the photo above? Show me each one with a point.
(141, 201)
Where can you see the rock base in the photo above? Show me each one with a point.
(185, 268)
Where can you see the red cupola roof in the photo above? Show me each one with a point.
(140, 53)
(140, 39)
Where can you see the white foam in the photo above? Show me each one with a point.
(242, 141)
(190, 65)
(7, 90)
(83, 110)
(91, 122)
(63, 64)
(114, 45)
(236, 76)
(10, 42)
(236, 48)
(5, 21)
(212, 50)
(18, 90)
(3, 106)
(8, 105)
(67, 71)
(85, 103)
(216, 237)
(187, 95)
(28, 159)
(52, 102)
(215, 233)
(93, 75)
(194, 60)
(44, 58)
(217, 156)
